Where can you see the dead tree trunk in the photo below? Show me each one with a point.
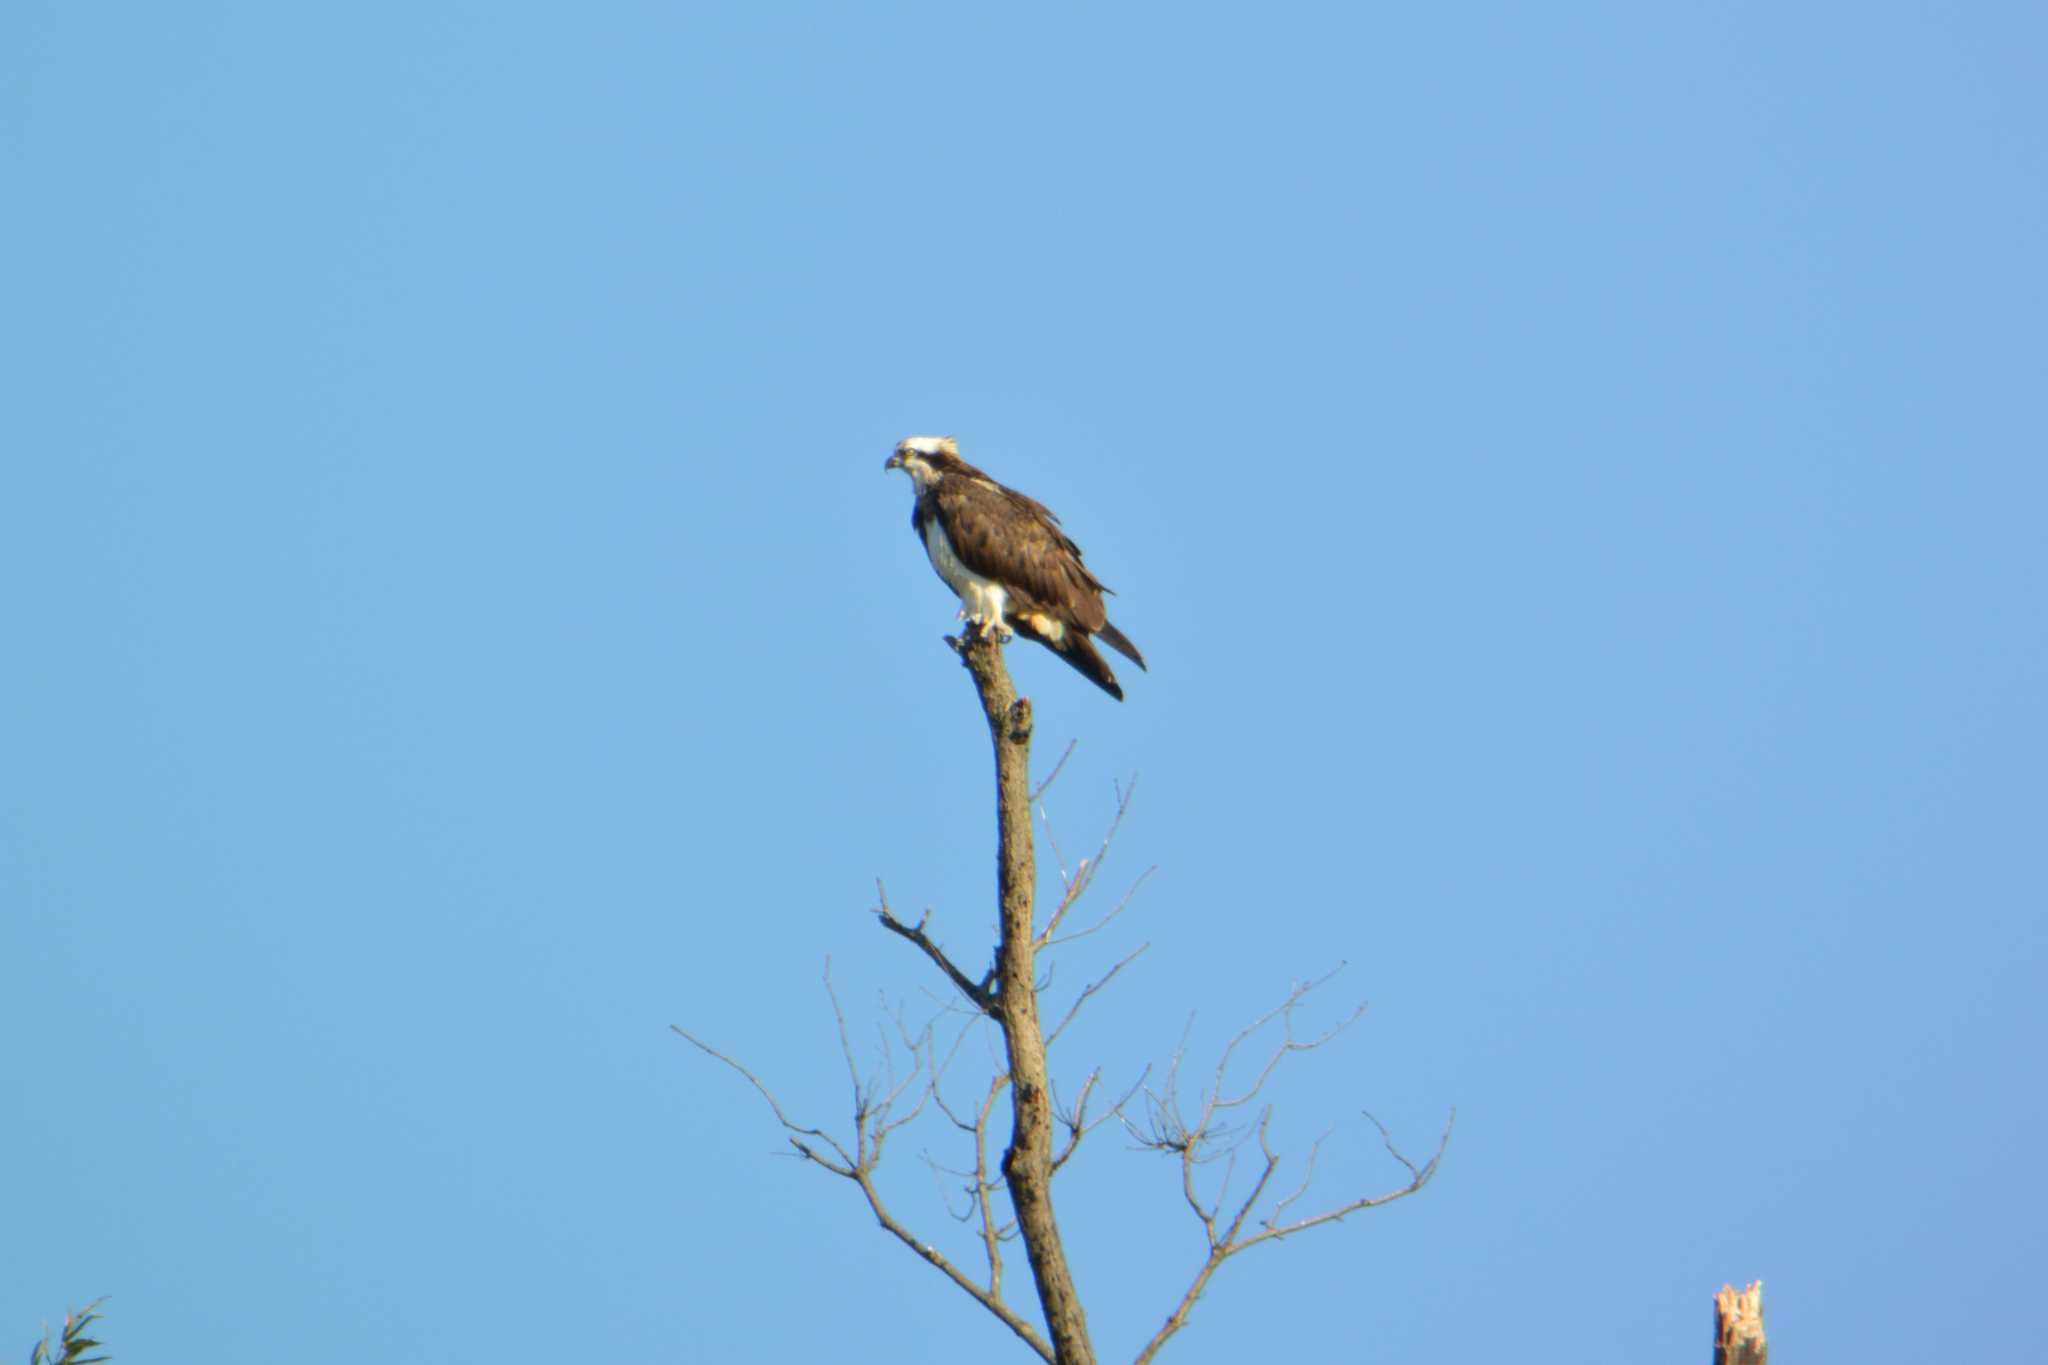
(1739, 1326)
(1217, 1123)
(1027, 1165)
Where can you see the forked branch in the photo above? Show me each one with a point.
(1212, 1133)
(874, 1121)
(978, 993)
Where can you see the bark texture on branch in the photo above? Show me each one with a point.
(1739, 1326)
(1028, 1164)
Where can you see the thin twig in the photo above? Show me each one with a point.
(1084, 872)
(1102, 923)
(1090, 989)
(860, 1171)
(1054, 775)
(780, 1117)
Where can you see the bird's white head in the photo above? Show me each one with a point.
(922, 457)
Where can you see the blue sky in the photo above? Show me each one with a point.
(1575, 473)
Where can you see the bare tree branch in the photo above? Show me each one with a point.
(1076, 1120)
(1090, 989)
(1210, 1136)
(977, 993)
(987, 1299)
(860, 1170)
(798, 1130)
(1038, 792)
(991, 1230)
(1115, 910)
(1084, 874)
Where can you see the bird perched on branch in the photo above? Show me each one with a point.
(1005, 555)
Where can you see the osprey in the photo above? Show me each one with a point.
(1005, 555)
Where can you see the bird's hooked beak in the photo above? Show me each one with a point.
(895, 460)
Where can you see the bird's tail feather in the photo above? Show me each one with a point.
(1079, 651)
(1114, 638)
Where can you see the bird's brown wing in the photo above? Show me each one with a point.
(1003, 535)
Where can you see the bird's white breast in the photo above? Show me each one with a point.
(982, 597)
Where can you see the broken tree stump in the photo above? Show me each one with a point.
(1739, 1326)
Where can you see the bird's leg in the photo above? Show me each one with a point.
(984, 626)
(983, 613)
